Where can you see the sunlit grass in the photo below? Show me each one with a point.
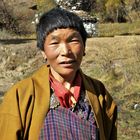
(112, 29)
(113, 60)
(116, 62)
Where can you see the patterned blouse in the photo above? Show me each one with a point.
(75, 123)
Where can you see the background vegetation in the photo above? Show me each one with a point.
(116, 62)
(17, 16)
(112, 57)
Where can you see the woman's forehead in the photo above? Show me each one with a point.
(65, 32)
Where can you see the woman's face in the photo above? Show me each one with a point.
(64, 50)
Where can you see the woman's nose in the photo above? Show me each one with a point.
(65, 49)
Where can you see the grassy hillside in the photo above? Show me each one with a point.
(112, 29)
(116, 62)
(113, 60)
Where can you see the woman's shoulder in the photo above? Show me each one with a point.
(94, 83)
(26, 85)
(19, 89)
(94, 80)
(30, 80)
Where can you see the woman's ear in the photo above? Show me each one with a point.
(44, 55)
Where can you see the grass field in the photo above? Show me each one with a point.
(113, 60)
(116, 62)
(112, 29)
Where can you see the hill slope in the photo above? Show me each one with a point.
(113, 60)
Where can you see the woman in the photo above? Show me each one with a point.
(59, 102)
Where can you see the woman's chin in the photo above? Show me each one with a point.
(68, 72)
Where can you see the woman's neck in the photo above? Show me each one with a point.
(65, 80)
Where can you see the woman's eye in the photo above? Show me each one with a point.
(74, 40)
(53, 43)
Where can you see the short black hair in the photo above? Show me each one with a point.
(58, 18)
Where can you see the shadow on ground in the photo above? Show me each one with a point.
(15, 41)
(2, 93)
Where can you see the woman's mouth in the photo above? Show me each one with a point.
(67, 63)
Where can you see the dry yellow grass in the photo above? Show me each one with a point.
(113, 60)
(112, 29)
(116, 62)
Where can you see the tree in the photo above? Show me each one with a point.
(100, 9)
(115, 10)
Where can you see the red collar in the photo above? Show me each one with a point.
(66, 98)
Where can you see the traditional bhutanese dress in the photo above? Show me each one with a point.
(74, 123)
